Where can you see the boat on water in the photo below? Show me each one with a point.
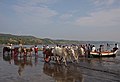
(103, 54)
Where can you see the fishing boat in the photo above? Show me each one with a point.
(103, 54)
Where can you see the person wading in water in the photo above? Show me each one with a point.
(100, 50)
(36, 50)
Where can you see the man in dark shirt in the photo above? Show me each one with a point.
(115, 48)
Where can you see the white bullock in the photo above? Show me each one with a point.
(66, 52)
(59, 53)
(75, 53)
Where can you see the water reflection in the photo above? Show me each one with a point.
(63, 74)
(36, 60)
(21, 61)
(7, 57)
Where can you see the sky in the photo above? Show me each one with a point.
(84, 20)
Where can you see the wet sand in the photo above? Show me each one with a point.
(33, 69)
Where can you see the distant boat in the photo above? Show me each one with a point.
(103, 54)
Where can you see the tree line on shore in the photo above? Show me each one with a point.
(30, 40)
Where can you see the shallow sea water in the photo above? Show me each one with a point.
(33, 69)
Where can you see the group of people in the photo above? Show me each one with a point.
(20, 49)
(84, 48)
(87, 48)
(101, 48)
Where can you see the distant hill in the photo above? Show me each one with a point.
(16, 39)
(30, 40)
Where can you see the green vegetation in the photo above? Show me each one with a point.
(15, 39)
(31, 40)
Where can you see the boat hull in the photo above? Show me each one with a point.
(103, 54)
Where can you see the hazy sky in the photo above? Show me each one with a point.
(62, 19)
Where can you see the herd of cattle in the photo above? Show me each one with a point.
(22, 51)
(65, 53)
(59, 53)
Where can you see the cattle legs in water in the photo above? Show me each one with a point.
(60, 59)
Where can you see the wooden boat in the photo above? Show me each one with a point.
(103, 54)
